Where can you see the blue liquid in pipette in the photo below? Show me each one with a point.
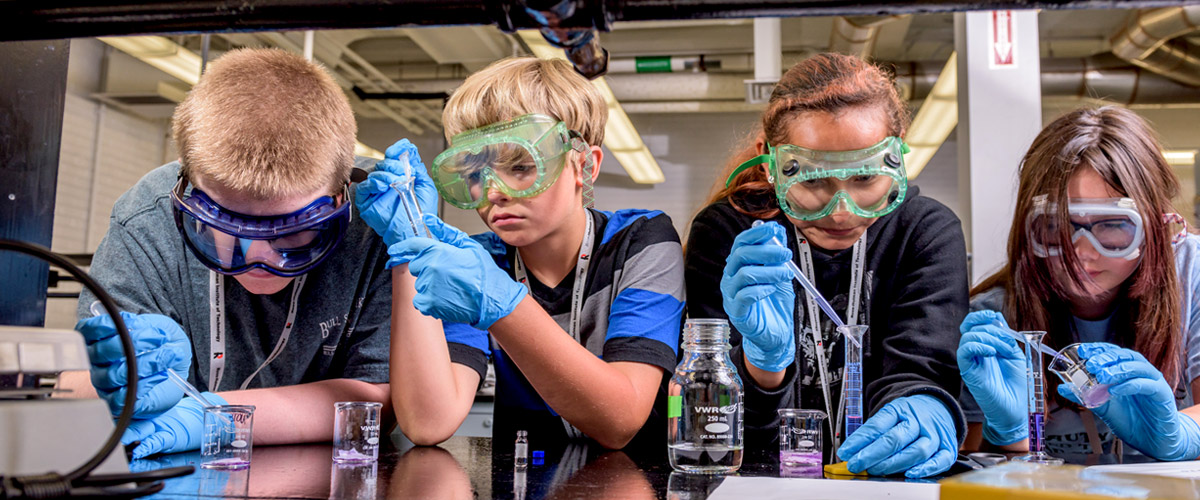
(808, 286)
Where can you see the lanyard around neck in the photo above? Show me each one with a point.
(581, 268)
(857, 258)
(216, 330)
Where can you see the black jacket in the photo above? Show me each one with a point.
(914, 298)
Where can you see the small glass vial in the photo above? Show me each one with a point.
(704, 403)
(521, 450)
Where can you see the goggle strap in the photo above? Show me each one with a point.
(753, 162)
(1174, 218)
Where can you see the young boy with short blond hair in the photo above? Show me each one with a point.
(583, 307)
(261, 194)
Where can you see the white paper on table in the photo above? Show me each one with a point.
(1186, 470)
(766, 488)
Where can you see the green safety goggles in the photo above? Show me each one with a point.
(521, 157)
(812, 184)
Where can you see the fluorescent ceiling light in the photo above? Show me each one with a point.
(619, 135)
(179, 62)
(935, 120)
(1180, 157)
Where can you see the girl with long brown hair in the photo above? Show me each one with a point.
(827, 174)
(1093, 258)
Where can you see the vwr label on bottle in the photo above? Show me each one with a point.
(715, 419)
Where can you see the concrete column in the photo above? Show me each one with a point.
(999, 114)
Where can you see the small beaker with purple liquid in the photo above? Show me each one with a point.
(800, 437)
(1071, 369)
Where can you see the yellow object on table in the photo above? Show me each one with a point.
(1025, 481)
(840, 469)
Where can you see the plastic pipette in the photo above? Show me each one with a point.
(808, 286)
(97, 309)
(1041, 347)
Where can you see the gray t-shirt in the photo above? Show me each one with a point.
(342, 326)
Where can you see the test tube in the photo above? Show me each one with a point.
(853, 382)
(412, 210)
(97, 309)
(804, 282)
(1037, 403)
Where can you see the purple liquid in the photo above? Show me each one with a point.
(352, 456)
(793, 458)
(811, 471)
(226, 463)
(1037, 429)
(1094, 396)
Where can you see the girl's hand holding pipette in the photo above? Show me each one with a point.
(757, 294)
(992, 365)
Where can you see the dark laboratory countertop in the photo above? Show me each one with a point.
(461, 468)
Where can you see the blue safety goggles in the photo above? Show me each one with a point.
(285, 245)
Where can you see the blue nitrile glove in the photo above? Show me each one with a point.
(457, 279)
(1141, 406)
(379, 204)
(160, 344)
(913, 434)
(993, 368)
(179, 429)
(757, 294)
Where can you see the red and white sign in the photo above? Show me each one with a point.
(1002, 51)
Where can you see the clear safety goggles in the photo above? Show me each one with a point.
(812, 184)
(521, 157)
(1112, 225)
(285, 245)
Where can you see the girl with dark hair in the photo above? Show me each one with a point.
(827, 173)
(1093, 258)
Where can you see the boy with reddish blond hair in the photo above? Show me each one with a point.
(261, 194)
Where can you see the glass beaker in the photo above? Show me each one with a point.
(356, 431)
(228, 437)
(704, 403)
(1072, 370)
(800, 437)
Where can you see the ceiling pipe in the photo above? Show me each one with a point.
(51, 19)
(1101, 77)
(1146, 41)
(856, 35)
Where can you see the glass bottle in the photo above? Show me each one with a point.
(704, 403)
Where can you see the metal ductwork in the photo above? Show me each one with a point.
(50, 19)
(1103, 77)
(855, 35)
(1151, 40)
